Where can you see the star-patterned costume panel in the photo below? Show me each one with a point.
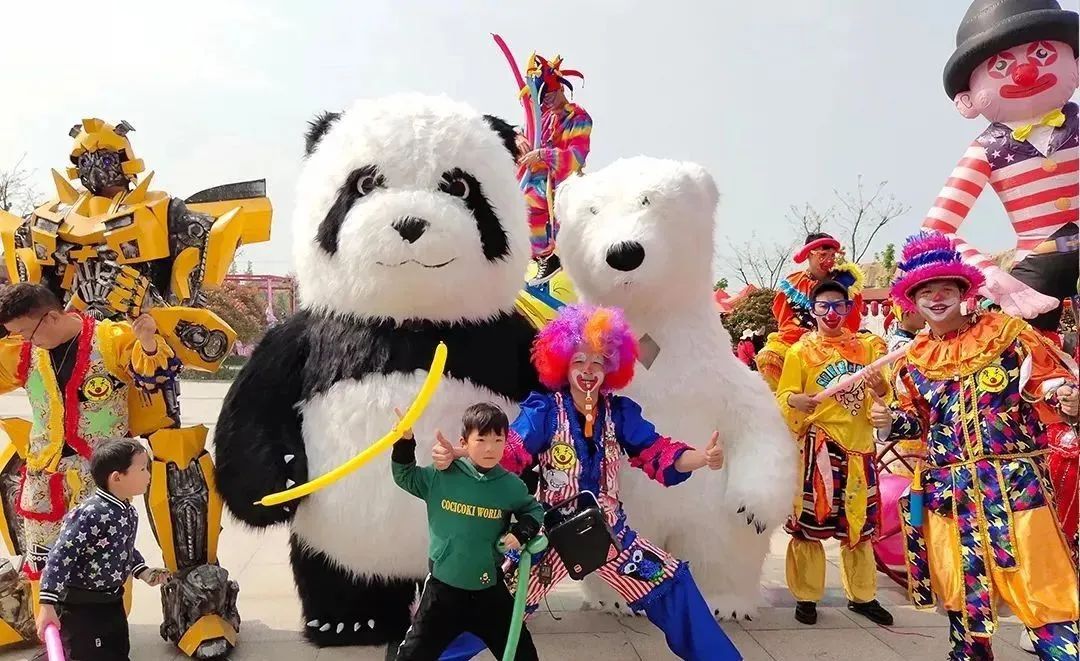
(95, 551)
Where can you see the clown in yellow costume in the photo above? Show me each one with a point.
(839, 497)
(981, 390)
(114, 250)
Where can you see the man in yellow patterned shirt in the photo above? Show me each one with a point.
(839, 496)
(81, 376)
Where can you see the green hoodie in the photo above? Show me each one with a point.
(468, 513)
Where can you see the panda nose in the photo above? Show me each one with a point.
(625, 256)
(410, 228)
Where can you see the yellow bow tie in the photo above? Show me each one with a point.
(1053, 118)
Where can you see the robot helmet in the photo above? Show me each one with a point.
(102, 155)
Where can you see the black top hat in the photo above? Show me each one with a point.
(991, 26)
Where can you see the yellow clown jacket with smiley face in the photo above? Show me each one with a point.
(103, 399)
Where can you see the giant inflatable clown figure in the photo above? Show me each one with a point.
(1015, 64)
(112, 251)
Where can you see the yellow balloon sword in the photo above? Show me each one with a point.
(416, 409)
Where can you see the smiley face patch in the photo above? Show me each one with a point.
(97, 388)
(563, 456)
(992, 378)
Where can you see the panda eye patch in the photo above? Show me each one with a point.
(367, 179)
(455, 183)
(360, 183)
(462, 185)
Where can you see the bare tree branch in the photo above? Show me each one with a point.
(17, 193)
(760, 263)
(808, 220)
(860, 219)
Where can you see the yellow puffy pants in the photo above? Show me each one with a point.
(806, 570)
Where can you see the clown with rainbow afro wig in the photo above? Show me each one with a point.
(578, 433)
(981, 388)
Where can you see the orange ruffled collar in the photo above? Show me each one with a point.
(819, 349)
(965, 352)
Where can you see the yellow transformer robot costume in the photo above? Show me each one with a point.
(112, 251)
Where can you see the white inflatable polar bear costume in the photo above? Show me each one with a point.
(638, 235)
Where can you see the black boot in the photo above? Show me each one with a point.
(806, 612)
(872, 611)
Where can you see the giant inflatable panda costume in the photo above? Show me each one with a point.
(409, 229)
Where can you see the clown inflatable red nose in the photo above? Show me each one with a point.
(1015, 65)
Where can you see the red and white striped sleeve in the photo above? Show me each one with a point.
(957, 197)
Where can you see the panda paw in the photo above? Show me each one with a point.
(331, 633)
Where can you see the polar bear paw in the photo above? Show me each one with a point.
(732, 608)
(617, 607)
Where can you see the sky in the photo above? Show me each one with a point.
(782, 101)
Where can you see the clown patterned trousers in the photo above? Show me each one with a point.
(650, 580)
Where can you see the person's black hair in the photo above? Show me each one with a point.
(23, 299)
(828, 285)
(484, 418)
(111, 457)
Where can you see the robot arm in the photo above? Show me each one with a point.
(258, 444)
(240, 214)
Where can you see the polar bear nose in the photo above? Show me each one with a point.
(410, 228)
(625, 256)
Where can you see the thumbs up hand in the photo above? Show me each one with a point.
(880, 415)
(443, 454)
(714, 452)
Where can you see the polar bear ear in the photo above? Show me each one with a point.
(705, 183)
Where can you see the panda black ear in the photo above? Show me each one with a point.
(317, 128)
(506, 133)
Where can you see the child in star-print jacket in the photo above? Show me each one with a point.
(82, 586)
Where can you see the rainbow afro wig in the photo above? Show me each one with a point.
(928, 256)
(595, 329)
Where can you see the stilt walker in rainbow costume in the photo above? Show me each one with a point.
(554, 146)
(981, 389)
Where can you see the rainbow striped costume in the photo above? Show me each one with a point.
(564, 145)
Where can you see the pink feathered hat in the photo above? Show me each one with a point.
(928, 256)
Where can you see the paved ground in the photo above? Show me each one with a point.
(271, 612)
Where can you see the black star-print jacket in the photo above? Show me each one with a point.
(95, 551)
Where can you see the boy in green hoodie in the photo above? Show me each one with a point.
(469, 507)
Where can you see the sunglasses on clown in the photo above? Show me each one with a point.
(822, 308)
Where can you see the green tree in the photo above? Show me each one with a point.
(243, 307)
(722, 283)
(754, 312)
(888, 256)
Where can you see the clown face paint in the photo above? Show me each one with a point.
(822, 260)
(830, 309)
(1024, 82)
(586, 372)
(938, 301)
